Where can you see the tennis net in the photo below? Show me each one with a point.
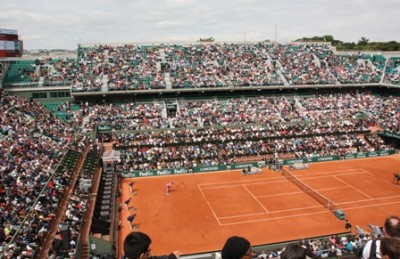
(327, 203)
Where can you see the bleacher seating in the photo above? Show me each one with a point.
(392, 74)
(191, 66)
(21, 73)
(207, 131)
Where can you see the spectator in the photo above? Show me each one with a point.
(293, 251)
(137, 246)
(390, 248)
(130, 219)
(347, 225)
(391, 228)
(237, 247)
(262, 255)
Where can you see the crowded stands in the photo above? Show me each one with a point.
(216, 65)
(33, 143)
(211, 131)
(392, 73)
(40, 148)
(38, 156)
(149, 137)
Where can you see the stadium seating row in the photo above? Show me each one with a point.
(131, 67)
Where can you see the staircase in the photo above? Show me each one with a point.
(108, 146)
(47, 244)
(104, 86)
(41, 81)
(168, 83)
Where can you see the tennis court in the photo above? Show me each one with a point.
(204, 209)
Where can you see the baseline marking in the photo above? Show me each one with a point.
(319, 176)
(333, 188)
(374, 199)
(371, 205)
(280, 180)
(300, 208)
(271, 212)
(208, 203)
(235, 184)
(244, 186)
(391, 182)
(334, 176)
(282, 217)
(279, 194)
(257, 180)
(263, 180)
(241, 215)
(328, 173)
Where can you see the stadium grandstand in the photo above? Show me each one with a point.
(73, 126)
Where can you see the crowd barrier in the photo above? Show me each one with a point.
(259, 164)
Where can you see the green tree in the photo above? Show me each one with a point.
(363, 41)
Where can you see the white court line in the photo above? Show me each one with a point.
(283, 217)
(315, 176)
(353, 187)
(368, 172)
(264, 180)
(307, 214)
(323, 172)
(271, 212)
(244, 186)
(319, 176)
(391, 182)
(308, 207)
(339, 171)
(279, 194)
(257, 180)
(222, 186)
(371, 205)
(333, 188)
(289, 193)
(260, 181)
(354, 201)
(365, 171)
(350, 186)
(374, 199)
(242, 215)
(215, 215)
(382, 179)
(362, 171)
(241, 184)
(387, 197)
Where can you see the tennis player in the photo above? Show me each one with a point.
(168, 187)
(131, 185)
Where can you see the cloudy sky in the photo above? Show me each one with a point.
(55, 24)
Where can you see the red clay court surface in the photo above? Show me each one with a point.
(204, 209)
